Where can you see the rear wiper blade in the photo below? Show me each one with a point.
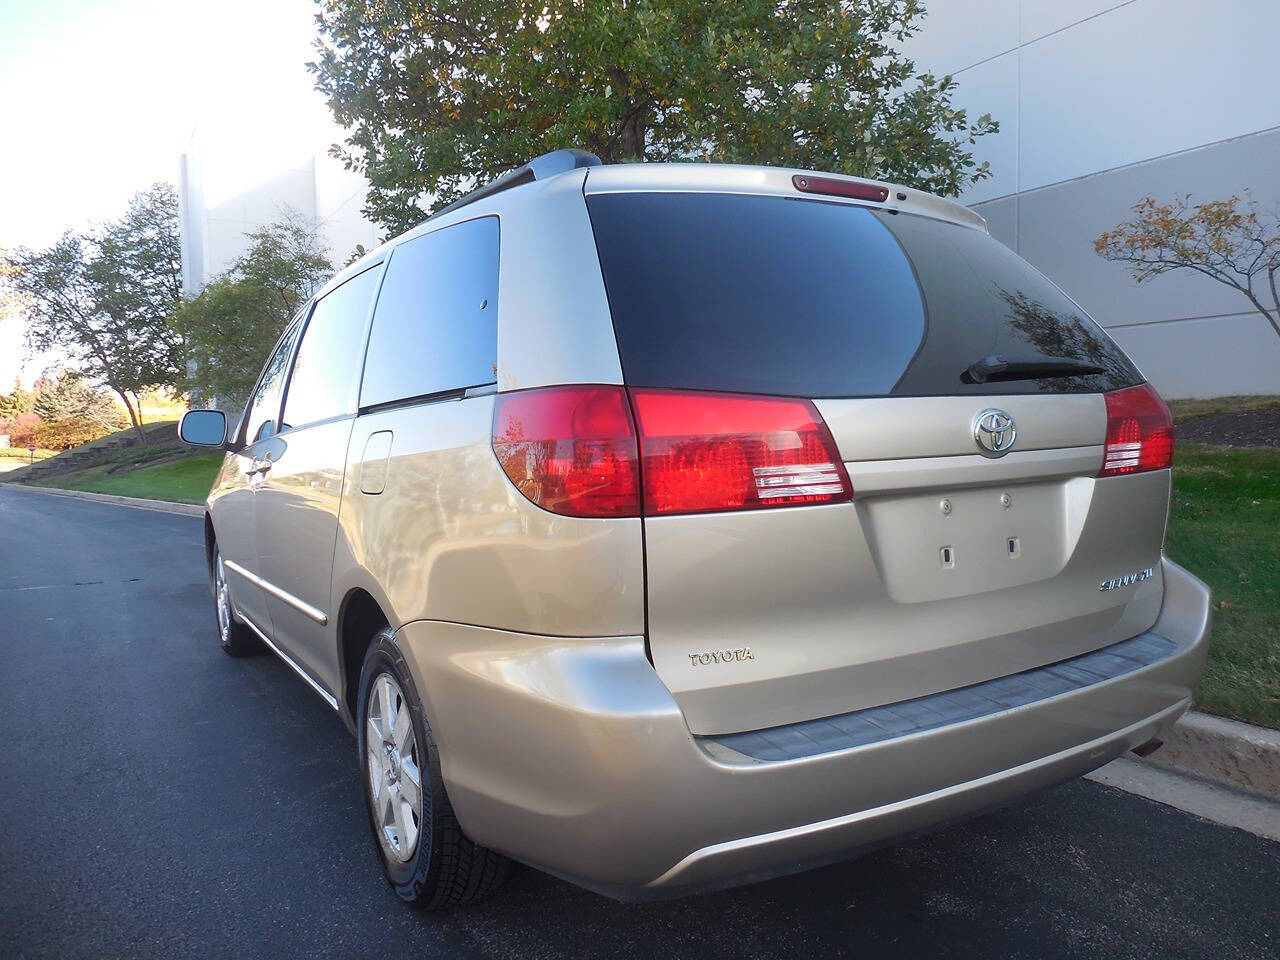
(998, 368)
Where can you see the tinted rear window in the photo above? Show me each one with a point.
(799, 297)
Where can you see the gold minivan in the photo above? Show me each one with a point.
(667, 527)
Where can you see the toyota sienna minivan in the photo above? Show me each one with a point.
(666, 527)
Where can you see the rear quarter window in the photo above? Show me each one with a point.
(801, 297)
(435, 328)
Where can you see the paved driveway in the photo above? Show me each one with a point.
(160, 799)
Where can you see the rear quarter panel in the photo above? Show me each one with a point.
(449, 538)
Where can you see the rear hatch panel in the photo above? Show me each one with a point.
(948, 567)
(849, 606)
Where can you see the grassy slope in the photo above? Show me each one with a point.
(1184, 410)
(1224, 526)
(186, 480)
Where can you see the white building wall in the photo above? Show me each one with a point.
(219, 210)
(1100, 103)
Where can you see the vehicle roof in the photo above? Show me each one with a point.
(679, 177)
(768, 181)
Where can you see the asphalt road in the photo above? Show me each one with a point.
(160, 799)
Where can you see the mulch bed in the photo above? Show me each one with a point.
(1243, 428)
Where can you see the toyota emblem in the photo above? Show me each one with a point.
(994, 432)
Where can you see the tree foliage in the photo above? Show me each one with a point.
(104, 299)
(65, 434)
(69, 399)
(438, 94)
(230, 327)
(1231, 241)
(59, 413)
(18, 400)
(21, 428)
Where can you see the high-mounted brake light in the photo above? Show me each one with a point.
(715, 451)
(1139, 432)
(578, 451)
(571, 450)
(840, 188)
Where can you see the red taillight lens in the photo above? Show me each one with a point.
(1139, 432)
(571, 450)
(715, 451)
(576, 451)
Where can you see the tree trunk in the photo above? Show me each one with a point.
(633, 132)
(133, 414)
(1275, 298)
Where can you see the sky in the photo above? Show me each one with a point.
(102, 98)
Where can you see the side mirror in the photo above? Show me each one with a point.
(205, 428)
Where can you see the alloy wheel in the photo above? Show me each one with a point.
(392, 769)
(223, 595)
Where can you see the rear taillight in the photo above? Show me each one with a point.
(571, 450)
(715, 451)
(1139, 432)
(577, 451)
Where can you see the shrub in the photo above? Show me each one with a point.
(22, 428)
(65, 434)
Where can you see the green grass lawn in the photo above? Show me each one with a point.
(1224, 526)
(23, 454)
(187, 480)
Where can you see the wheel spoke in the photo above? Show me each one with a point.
(402, 730)
(378, 709)
(406, 832)
(377, 777)
(392, 717)
(411, 784)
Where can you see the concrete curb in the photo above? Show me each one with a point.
(1238, 755)
(160, 506)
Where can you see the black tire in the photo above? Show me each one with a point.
(237, 640)
(446, 868)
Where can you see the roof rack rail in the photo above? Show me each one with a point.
(539, 168)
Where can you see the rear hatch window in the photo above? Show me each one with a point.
(801, 297)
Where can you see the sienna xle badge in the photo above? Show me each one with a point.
(666, 526)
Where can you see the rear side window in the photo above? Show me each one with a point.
(435, 329)
(798, 297)
(326, 370)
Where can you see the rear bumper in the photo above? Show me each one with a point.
(571, 755)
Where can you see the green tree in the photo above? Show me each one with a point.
(70, 399)
(17, 401)
(104, 299)
(1231, 241)
(230, 327)
(439, 94)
